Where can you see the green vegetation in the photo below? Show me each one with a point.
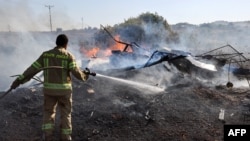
(148, 28)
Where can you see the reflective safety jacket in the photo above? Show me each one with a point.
(57, 81)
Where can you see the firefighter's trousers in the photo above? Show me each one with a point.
(64, 104)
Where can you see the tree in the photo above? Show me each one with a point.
(148, 28)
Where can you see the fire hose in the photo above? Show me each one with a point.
(86, 71)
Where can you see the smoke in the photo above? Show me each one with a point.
(145, 38)
(23, 15)
(20, 47)
(205, 37)
(23, 35)
(18, 51)
(17, 15)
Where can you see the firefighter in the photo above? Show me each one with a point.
(57, 86)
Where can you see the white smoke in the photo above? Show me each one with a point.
(20, 47)
(24, 15)
(18, 51)
(17, 15)
(197, 63)
(24, 35)
(205, 37)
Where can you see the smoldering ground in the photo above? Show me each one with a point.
(117, 108)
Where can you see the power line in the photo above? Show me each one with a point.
(50, 6)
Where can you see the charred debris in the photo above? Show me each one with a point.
(225, 59)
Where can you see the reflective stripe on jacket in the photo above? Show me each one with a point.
(56, 80)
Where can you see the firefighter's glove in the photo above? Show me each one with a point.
(15, 84)
(86, 71)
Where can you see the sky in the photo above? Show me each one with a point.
(77, 14)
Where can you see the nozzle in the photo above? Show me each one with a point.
(87, 71)
(230, 84)
(92, 73)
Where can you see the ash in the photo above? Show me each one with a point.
(106, 110)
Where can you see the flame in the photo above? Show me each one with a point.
(117, 46)
(90, 53)
(107, 52)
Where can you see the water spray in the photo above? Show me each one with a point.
(149, 88)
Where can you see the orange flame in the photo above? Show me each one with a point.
(90, 53)
(117, 46)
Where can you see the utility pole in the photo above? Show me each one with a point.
(9, 28)
(50, 6)
(82, 23)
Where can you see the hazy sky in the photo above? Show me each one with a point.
(68, 14)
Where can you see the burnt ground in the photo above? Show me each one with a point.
(109, 110)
